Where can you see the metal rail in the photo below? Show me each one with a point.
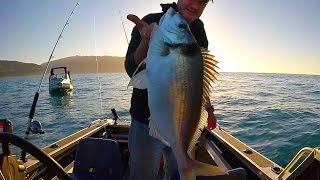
(285, 172)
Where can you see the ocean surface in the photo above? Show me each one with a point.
(276, 114)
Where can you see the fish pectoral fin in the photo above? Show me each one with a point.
(201, 169)
(153, 131)
(131, 83)
(140, 80)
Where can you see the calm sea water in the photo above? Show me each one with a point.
(277, 114)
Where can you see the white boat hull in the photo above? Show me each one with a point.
(60, 83)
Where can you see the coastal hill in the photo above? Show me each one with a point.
(15, 68)
(75, 64)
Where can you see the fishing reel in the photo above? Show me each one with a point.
(36, 127)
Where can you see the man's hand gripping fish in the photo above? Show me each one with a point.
(178, 76)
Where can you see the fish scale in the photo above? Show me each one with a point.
(185, 108)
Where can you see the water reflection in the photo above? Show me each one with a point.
(61, 93)
(61, 100)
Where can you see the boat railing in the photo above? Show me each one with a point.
(59, 75)
(306, 151)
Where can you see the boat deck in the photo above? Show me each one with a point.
(215, 147)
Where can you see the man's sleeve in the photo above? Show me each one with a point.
(199, 33)
(129, 63)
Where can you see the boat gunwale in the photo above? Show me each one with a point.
(263, 169)
(65, 145)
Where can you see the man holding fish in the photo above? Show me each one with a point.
(171, 78)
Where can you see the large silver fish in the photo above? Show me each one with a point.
(178, 77)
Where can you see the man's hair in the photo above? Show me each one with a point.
(206, 1)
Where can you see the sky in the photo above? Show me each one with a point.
(268, 36)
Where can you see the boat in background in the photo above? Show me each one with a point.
(60, 80)
(100, 151)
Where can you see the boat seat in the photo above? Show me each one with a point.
(97, 158)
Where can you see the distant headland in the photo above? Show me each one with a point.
(75, 64)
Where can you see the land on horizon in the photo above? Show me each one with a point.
(75, 64)
(78, 65)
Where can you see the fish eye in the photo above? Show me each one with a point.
(182, 26)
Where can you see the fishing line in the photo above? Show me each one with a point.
(124, 29)
(97, 67)
(97, 63)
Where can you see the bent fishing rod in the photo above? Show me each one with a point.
(35, 126)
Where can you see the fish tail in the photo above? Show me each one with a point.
(201, 169)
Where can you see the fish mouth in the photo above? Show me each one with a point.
(170, 32)
(183, 27)
(174, 45)
(187, 49)
(181, 37)
(191, 44)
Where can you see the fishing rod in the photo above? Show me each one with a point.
(35, 126)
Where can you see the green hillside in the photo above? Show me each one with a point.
(75, 64)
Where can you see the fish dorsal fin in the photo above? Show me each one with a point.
(138, 80)
(209, 73)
